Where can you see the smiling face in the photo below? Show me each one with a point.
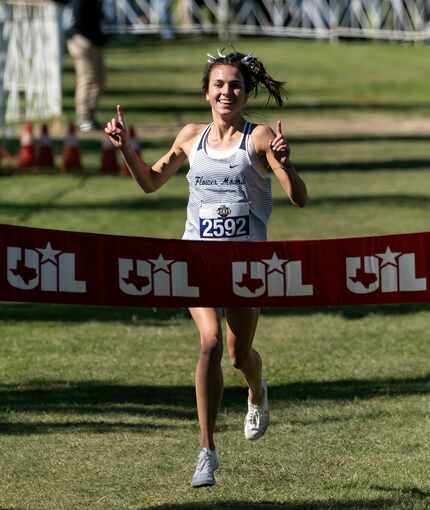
(226, 90)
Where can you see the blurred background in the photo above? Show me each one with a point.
(356, 74)
(97, 404)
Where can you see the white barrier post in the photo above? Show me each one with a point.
(224, 20)
(2, 62)
(32, 60)
(404, 20)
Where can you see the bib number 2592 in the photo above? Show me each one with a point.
(224, 227)
(224, 221)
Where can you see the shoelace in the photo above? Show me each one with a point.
(254, 415)
(203, 461)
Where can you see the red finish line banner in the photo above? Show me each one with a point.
(53, 266)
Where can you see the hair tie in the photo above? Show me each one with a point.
(252, 63)
(213, 59)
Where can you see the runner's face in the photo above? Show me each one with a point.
(226, 90)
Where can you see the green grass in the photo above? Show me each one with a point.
(97, 405)
(158, 82)
(98, 411)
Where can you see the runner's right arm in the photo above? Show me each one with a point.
(151, 178)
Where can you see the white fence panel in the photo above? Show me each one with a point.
(2, 63)
(384, 19)
(31, 55)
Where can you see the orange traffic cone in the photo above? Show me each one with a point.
(27, 152)
(109, 162)
(71, 151)
(45, 154)
(136, 146)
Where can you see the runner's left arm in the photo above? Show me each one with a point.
(276, 151)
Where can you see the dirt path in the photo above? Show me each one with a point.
(296, 125)
(360, 124)
(368, 124)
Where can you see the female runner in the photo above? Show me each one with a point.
(230, 164)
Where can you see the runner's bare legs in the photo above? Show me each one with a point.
(241, 326)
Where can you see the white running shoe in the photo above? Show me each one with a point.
(257, 418)
(207, 463)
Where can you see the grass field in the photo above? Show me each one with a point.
(97, 405)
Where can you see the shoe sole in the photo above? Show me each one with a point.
(261, 434)
(203, 485)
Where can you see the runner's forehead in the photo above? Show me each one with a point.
(226, 73)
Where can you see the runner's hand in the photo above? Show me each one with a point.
(279, 145)
(116, 129)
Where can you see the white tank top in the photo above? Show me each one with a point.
(229, 199)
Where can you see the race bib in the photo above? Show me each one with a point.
(224, 221)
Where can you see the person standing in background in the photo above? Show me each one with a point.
(85, 41)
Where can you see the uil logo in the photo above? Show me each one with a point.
(388, 272)
(160, 277)
(273, 277)
(223, 211)
(44, 269)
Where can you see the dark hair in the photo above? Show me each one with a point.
(253, 72)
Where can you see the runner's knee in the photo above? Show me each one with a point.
(238, 357)
(210, 345)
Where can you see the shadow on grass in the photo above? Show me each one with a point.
(350, 389)
(357, 138)
(134, 204)
(395, 200)
(387, 504)
(179, 203)
(154, 402)
(86, 143)
(370, 138)
(128, 94)
(89, 399)
(148, 70)
(350, 312)
(94, 427)
(38, 312)
(405, 491)
(200, 107)
(76, 313)
(92, 146)
(366, 166)
(163, 143)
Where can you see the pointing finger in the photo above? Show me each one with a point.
(279, 128)
(119, 114)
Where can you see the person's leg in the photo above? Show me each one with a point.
(208, 378)
(241, 326)
(96, 78)
(164, 13)
(209, 388)
(79, 48)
